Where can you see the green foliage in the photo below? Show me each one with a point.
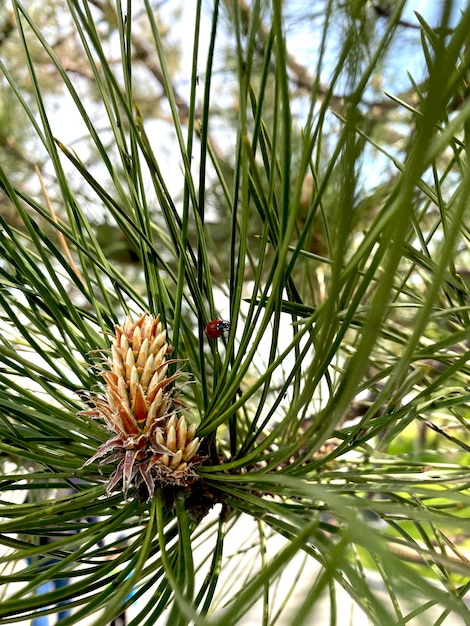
(337, 405)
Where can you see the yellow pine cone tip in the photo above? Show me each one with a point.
(136, 376)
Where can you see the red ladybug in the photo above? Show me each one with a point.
(216, 328)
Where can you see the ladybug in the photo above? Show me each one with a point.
(216, 328)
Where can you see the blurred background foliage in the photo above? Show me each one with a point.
(300, 169)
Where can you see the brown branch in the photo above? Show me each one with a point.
(146, 55)
(301, 76)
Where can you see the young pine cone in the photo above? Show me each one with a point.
(151, 444)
